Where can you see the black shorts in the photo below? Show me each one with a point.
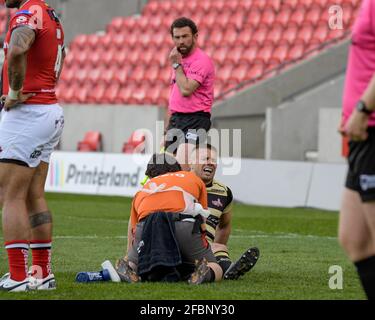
(187, 128)
(361, 173)
(192, 246)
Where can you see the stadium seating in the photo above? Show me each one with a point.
(136, 143)
(246, 38)
(91, 142)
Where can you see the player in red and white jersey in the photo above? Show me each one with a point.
(30, 128)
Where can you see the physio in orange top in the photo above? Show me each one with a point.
(160, 194)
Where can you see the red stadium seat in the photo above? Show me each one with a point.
(298, 16)
(268, 17)
(313, 15)
(153, 94)
(68, 74)
(120, 57)
(111, 93)
(151, 8)
(260, 35)
(105, 42)
(265, 54)
(249, 55)
(92, 42)
(152, 73)
(108, 57)
(224, 73)
(161, 59)
(256, 71)
(236, 21)
(125, 93)
(244, 6)
(178, 7)
(239, 73)
(216, 38)
(120, 76)
(321, 32)
(275, 5)
(274, 34)
(96, 94)
(216, 6)
(223, 18)
(280, 53)
(165, 6)
(116, 25)
(305, 33)
(132, 56)
(314, 44)
(220, 55)
(292, 4)
(322, 3)
(209, 20)
(253, 19)
(290, 34)
(92, 141)
(308, 4)
(146, 56)
(136, 143)
(107, 75)
(336, 34)
(230, 35)
(79, 42)
(137, 74)
(229, 5)
(164, 97)
(283, 18)
(81, 75)
(139, 95)
(243, 37)
(295, 52)
(234, 55)
(93, 75)
(165, 75)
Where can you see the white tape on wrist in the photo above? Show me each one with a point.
(13, 94)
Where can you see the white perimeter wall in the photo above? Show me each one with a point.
(258, 182)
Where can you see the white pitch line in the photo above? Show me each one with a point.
(274, 236)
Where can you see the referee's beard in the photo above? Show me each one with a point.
(184, 50)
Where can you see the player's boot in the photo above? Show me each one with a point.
(199, 275)
(4, 277)
(9, 285)
(244, 264)
(47, 283)
(125, 272)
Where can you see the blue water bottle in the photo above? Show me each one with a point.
(93, 276)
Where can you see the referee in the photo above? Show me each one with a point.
(357, 215)
(192, 92)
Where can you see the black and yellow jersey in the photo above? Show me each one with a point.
(220, 201)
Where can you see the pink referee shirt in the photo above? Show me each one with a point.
(197, 66)
(361, 64)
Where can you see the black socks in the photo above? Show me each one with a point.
(366, 272)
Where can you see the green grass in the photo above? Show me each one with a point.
(297, 248)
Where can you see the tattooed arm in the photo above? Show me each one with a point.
(21, 40)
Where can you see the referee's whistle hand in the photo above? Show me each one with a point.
(175, 56)
(356, 128)
(10, 103)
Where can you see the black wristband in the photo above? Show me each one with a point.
(361, 107)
